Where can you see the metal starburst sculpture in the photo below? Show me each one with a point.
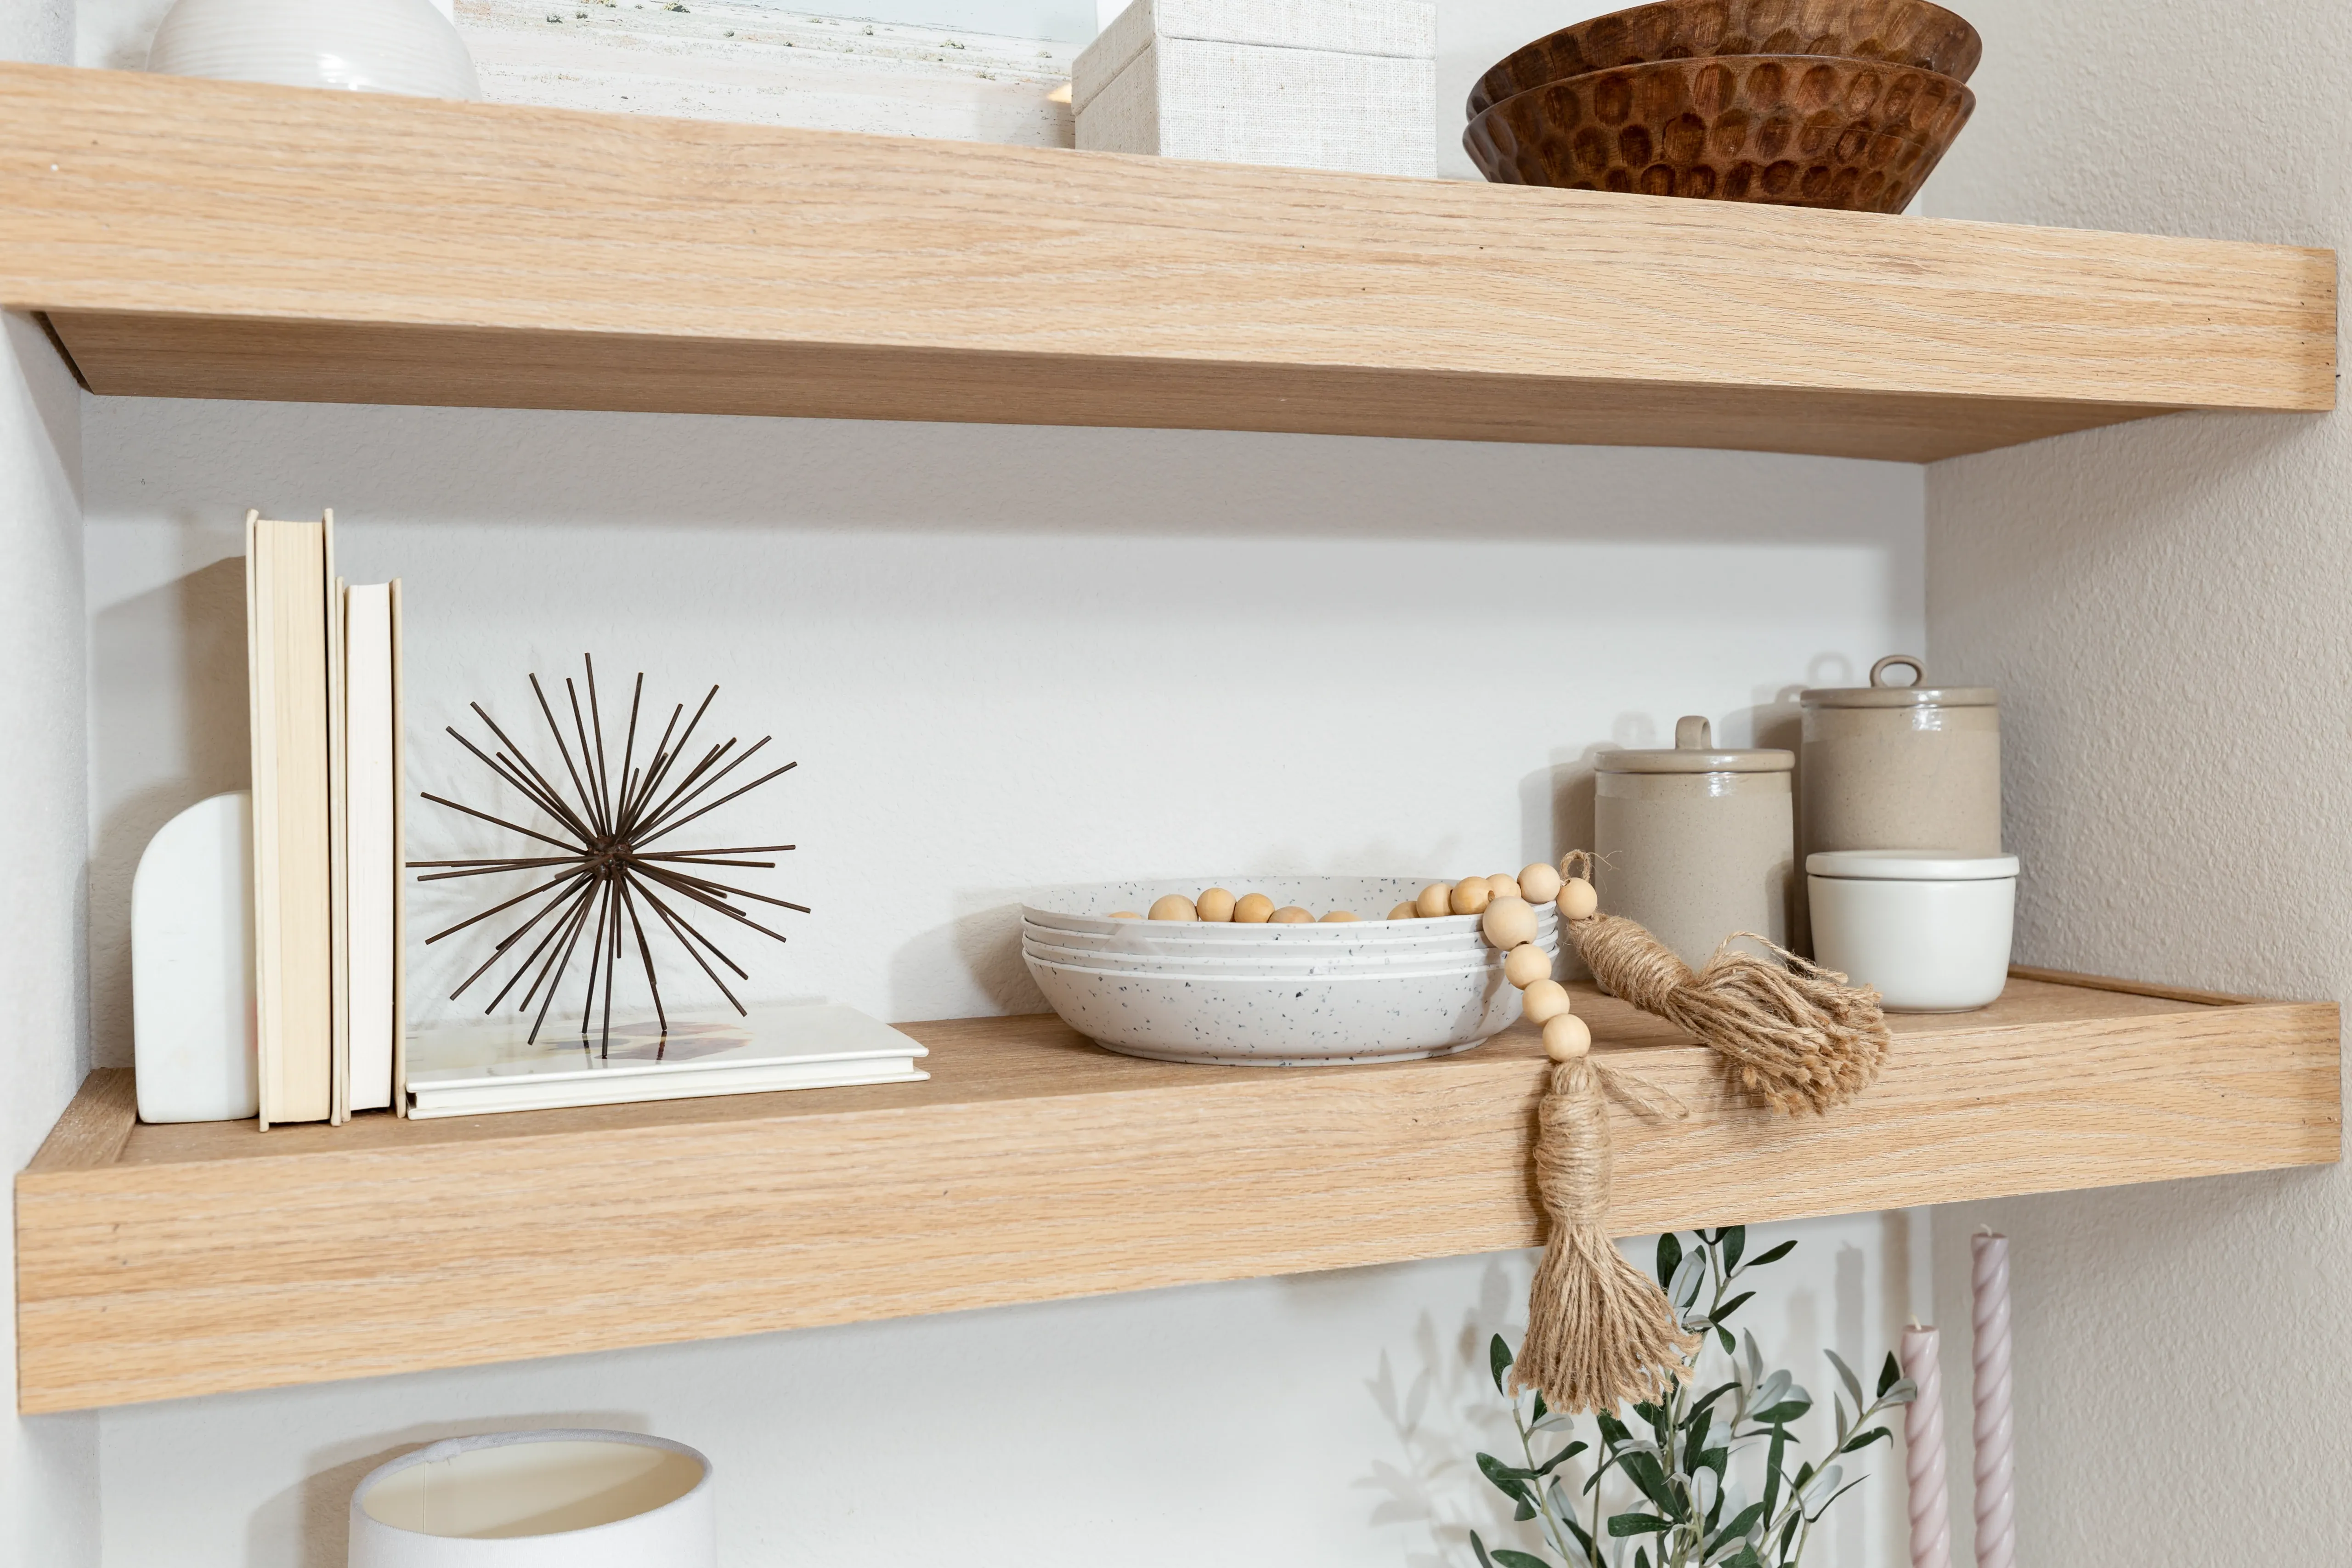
(607, 873)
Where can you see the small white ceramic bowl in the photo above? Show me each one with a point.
(1930, 932)
(1286, 964)
(1086, 906)
(1245, 1021)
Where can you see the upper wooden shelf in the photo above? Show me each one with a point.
(207, 239)
(162, 1261)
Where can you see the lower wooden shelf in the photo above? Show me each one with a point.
(158, 1262)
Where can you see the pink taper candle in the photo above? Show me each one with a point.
(1996, 1489)
(1923, 1450)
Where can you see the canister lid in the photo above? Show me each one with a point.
(1909, 866)
(1694, 752)
(1919, 694)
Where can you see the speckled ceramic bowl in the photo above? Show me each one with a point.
(1086, 906)
(1382, 938)
(1241, 1021)
(1288, 964)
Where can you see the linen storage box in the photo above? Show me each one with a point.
(1307, 84)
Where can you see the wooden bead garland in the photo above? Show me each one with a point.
(1599, 1331)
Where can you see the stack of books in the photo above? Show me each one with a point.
(323, 661)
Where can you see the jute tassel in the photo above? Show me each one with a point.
(1599, 1331)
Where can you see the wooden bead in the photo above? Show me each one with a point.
(1291, 915)
(1545, 1000)
(1173, 907)
(1437, 898)
(1502, 885)
(1526, 965)
(1252, 909)
(1337, 917)
(1508, 923)
(1405, 911)
(1214, 904)
(1125, 915)
(1470, 896)
(1539, 883)
(1567, 1038)
(1577, 900)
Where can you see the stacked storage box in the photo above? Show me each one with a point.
(1311, 84)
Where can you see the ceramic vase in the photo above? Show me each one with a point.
(362, 45)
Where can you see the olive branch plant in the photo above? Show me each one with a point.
(1688, 1466)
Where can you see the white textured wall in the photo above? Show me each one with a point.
(49, 1465)
(2167, 610)
(1003, 656)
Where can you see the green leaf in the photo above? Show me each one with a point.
(1861, 1440)
(1479, 1547)
(1852, 1383)
(1527, 1511)
(1536, 1418)
(1498, 1360)
(1889, 1375)
(1780, 1414)
(1772, 1469)
(1503, 1475)
(1730, 1306)
(1744, 1558)
(1715, 1459)
(1641, 1558)
(1583, 1536)
(1670, 1256)
(1556, 1459)
(1731, 1347)
(1735, 1242)
(1510, 1559)
(1775, 1254)
(1650, 1476)
(1612, 1430)
(1624, 1525)
(1741, 1523)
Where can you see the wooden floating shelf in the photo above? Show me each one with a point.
(155, 1262)
(208, 239)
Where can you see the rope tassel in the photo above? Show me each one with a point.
(1799, 1037)
(1599, 1331)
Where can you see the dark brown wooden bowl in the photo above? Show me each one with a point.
(1791, 130)
(1912, 33)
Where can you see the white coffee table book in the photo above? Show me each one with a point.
(192, 983)
(475, 1068)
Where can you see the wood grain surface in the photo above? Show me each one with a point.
(490, 254)
(155, 1262)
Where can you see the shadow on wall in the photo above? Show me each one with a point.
(593, 469)
(1441, 1410)
(168, 670)
(310, 1523)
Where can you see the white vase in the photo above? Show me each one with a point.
(538, 1499)
(363, 45)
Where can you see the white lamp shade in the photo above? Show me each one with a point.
(538, 1500)
(363, 45)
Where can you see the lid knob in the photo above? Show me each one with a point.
(1912, 662)
(1694, 733)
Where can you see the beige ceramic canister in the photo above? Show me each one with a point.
(1903, 768)
(1696, 843)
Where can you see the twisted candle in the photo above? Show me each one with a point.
(1996, 1497)
(1923, 1450)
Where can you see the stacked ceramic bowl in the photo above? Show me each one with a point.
(1276, 995)
(1845, 104)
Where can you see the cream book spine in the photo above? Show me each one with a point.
(370, 876)
(399, 866)
(290, 656)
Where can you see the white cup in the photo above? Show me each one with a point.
(538, 1499)
(1930, 932)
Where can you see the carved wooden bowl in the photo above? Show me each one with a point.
(1789, 130)
(1899, 32)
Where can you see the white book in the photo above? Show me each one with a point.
(372, 850)
(471, 1069)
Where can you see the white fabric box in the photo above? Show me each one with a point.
(1312, 84)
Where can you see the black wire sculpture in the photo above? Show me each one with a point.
(606, 867)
